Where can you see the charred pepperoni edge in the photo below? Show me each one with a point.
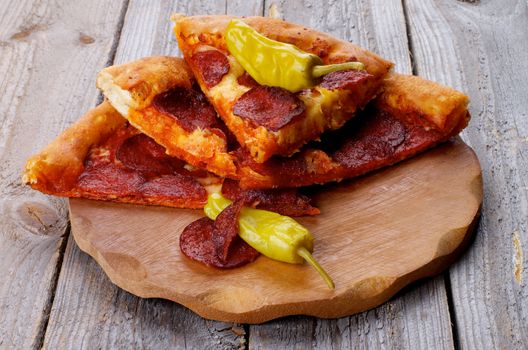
(345, 79)
(269, 106)
(225, 230)
(368, 142)
(189, 107)
(196, 243)
(212, 65)
(131, 166)
(287, 202)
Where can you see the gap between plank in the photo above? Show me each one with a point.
(451, 309)
(43, 327)
(55, 280)
(409, 37)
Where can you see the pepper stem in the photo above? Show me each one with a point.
(319, 71)
(305, 254)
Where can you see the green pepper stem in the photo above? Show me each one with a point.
(319, 71)
(305, 254)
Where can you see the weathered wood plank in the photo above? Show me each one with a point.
(482, 48)
(419, 318)
(89, 311)
(49, 51)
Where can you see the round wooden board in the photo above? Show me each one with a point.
(375, 235)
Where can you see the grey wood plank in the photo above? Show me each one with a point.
(418, 318)
(49, 51)
(482, 48)
(89, 311)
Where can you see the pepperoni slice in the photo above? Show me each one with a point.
(197, 244)
(189, 106)
(174, 186)
(132, 165)
(377, 141)
(143, 154)
(247, 80)
(345, 79)
(269, 106)
(212, 66)
(109, 179)
(287, 202)
(225, 230)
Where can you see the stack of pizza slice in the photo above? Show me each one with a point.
(172, 130)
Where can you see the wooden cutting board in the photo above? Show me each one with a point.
(375, 235)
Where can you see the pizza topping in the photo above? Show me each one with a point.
(189, 106)
(275, 236)
(246, 80)
(376, 142)
(287, 202)
(274, 63)
(196, 242)
(132, 165)
(212, 65)
(345, 79)
(268, 106)
(225, 230)
(143, 154)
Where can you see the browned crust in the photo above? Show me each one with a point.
(56, 168)
(147, 77)
(144, 79)
(193, 32)
(440, 107)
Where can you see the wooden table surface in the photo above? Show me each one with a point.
(52, 295)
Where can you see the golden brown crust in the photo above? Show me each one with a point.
(441, 107)
(56, 168)
(145, 78)
(325, 109)
(131, 88)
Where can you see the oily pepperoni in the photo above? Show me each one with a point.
(225, 230)
(132, 165)
(247, 80)
(212, 66)
(109, 179)
(143, 154)
(269, 106)
(287, 202)
(345, 79)
(376, 141)
(197, 244)
(178, 186)
(189, 106)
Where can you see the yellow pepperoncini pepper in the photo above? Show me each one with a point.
(276, 236)
(274, 63)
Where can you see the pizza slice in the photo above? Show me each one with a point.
(409, 117)
(159, 96)
(271, 120)
(103, 157)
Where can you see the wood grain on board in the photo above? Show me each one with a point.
(482, 48)
(49, 53)
(374, 236)
(106, 316)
